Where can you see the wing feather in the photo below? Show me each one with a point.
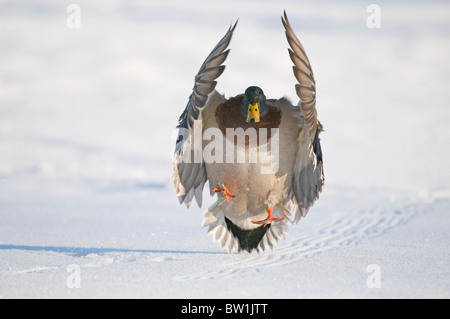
(205, 82)
(190, 176)
(308, 177)
(306, 89)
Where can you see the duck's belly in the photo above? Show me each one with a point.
(258, 179)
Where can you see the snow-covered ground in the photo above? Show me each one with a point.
(87, 116)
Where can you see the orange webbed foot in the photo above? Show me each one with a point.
(225, 192)
(269, 219)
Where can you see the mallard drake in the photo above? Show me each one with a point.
(262, 156)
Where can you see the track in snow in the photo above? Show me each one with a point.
(338, 229)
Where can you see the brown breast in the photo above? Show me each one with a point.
(229, 115)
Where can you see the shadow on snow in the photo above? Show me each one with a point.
(84, 251)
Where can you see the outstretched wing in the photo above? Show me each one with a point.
(308, 176)
(189, 169)
(205, 82)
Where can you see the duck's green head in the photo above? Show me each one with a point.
(254, 106)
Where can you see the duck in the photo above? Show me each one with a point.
(261, 157)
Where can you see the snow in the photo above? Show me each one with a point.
(86, 134)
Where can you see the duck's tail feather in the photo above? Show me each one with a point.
(232, 237)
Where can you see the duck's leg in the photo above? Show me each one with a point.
(269, 218)
(224, 191)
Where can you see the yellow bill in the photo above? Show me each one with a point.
(253, 113)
